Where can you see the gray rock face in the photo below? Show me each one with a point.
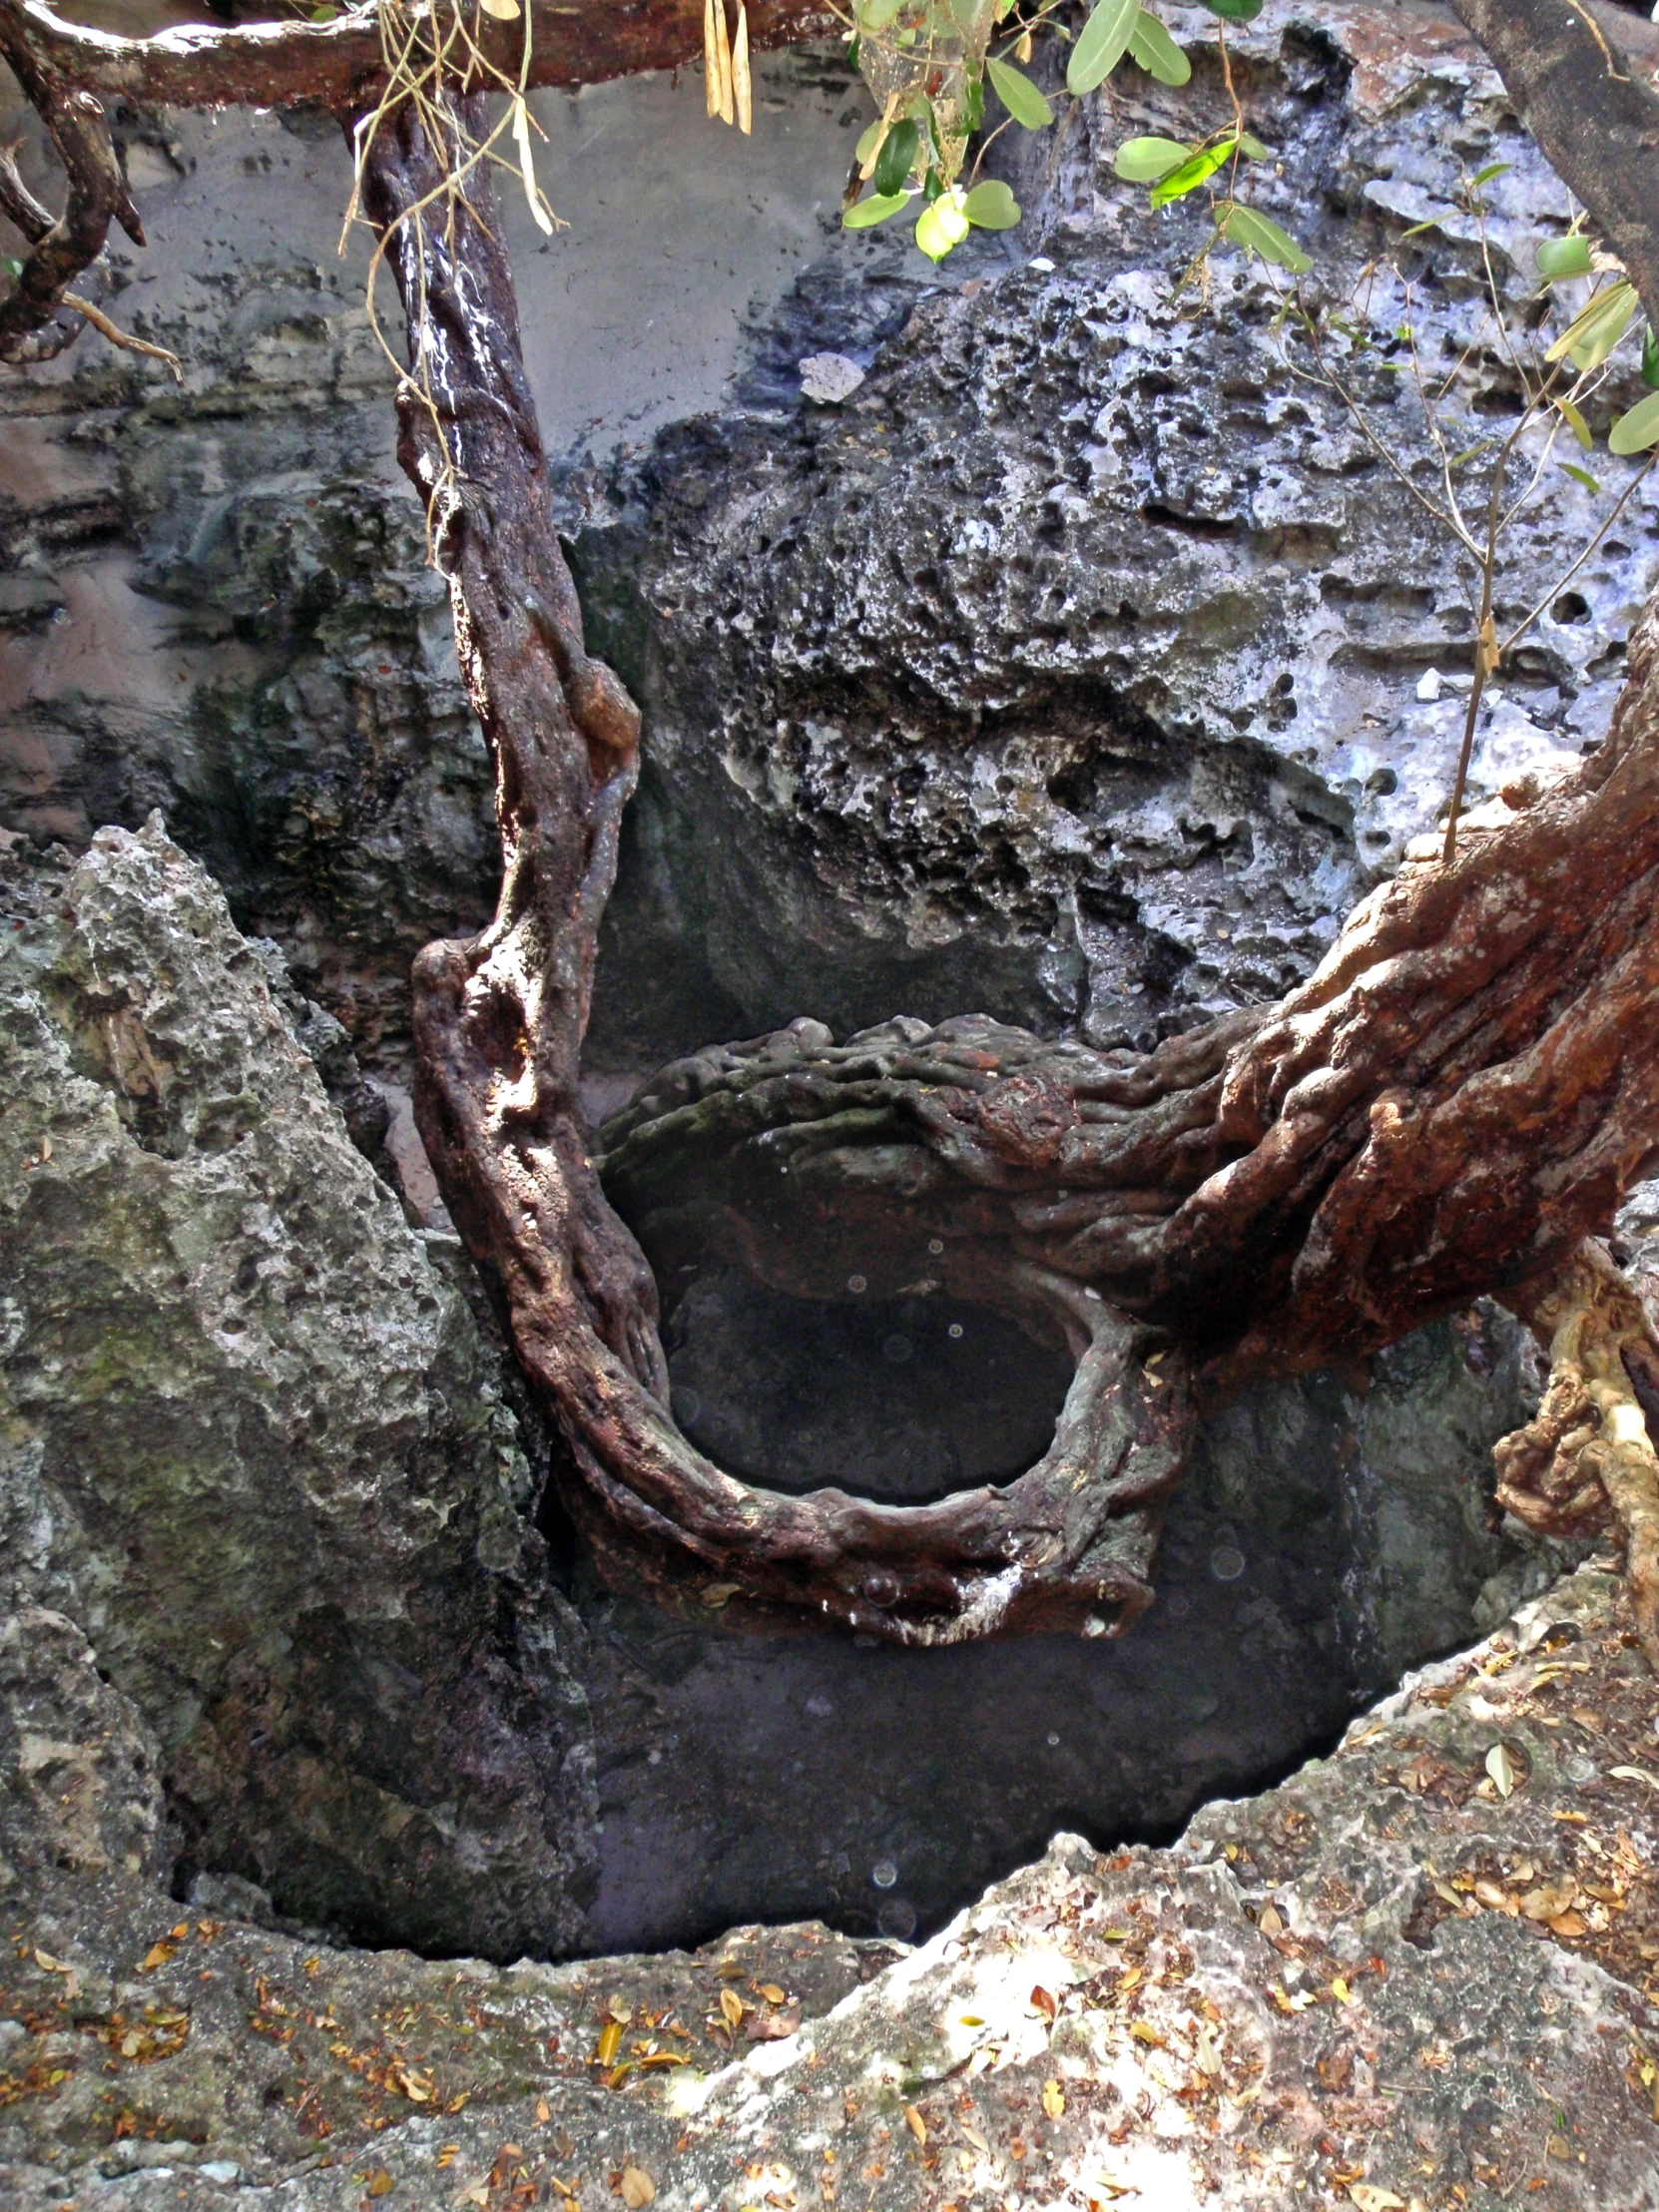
(251, 1443)
(1070, 670)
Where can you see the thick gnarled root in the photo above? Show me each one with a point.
(1589, 1449)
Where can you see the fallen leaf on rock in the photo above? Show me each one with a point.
(731, 2007)
(636, 2189)
(378, 2183)
(1550, 1899)
(544, 2111)
(1569, 1924)
(1372, 2199)
(1042, 2002)
(1054, 2099)
(1635, 1773)
(446, 2155)
(916, 2123)
(1204, 2055)
(157, 1956)
(610, 2043)
(1502, 1768)
(719, 1593)
(1269, 1923)
(764, 2028)
(1144, 2032)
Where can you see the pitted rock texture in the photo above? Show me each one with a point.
(1386, 1983)
(1070, 670)
(252, 1444)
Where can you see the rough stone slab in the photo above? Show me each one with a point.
(252, 1444)
(1338, 1987)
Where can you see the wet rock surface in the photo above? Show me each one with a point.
(1396, 1981)
(259, 1491)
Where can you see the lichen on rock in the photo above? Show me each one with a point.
(253, 1446)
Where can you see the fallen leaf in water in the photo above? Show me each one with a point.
(636, 2188)
(916, 2123)
(1054, 2099)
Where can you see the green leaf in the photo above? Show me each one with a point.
(1254, 148)
(1561, 257)
(870, 140)
(1579, 475)
(1235, 11)
(1576, 425)
(942, 225)
(1192, 173)
(1256, 234)
(1144, 161)
(875, 209)
(1486, 175)
(896, 159)
(13, 268)
(1592, 335)
(991, 206)
(1650, 358)
(1637, 429)
(1101, 44)
(1019, 96)
(874, 15)
(1151, 48)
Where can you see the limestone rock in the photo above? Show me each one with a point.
(1385, 1982)
(251, 1443)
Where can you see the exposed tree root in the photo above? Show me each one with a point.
(1450, 1105)
(1589, 1447)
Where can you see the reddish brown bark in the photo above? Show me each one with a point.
(1450, 1105)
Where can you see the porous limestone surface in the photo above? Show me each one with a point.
(1419, 1973)
(255, 1471)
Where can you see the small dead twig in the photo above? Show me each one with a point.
(123, 338)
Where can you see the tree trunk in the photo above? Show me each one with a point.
(1450, 1105)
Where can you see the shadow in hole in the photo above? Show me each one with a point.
(899, 1400)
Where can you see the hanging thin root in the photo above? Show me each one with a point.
(1590, 1446)
(123, 338)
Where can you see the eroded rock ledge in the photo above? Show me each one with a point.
(1386, 1975)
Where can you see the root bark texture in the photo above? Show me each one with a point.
(1589, 1451)
(1450, 1105)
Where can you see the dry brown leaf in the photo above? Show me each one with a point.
(544, 2111)
(916, 2123)
(1269, 1923)
(378, 2183)
(1502, 1768)
(1054, 2099)
(742, 89)
(771, 1991)
(1569, 1924)
(731, 2007)
(637, 2188)
(157, 1956)
(1372, 2199)
(1550, 1899)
